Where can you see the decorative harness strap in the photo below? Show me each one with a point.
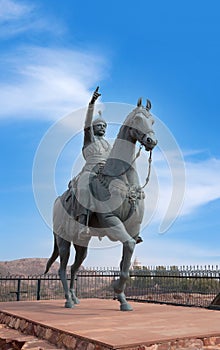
(134, 192)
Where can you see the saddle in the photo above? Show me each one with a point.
(67, 200)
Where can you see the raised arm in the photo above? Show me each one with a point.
(88, 130)
(90, 110)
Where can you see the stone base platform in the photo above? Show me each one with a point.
(97, 324)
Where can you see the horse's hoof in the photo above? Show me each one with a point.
(69, 304)
(126, 307)
(76, 300)
(74, 297)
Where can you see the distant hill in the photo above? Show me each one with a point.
(26, 267)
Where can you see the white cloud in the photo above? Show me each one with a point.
(17, 18)
(201, 184)
(38, 81)
(47, 82)
(12, 10)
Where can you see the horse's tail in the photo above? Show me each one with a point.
(53, 257)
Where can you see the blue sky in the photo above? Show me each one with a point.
(53, 54)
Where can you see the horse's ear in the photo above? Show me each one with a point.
(148, 105)
(139, 102)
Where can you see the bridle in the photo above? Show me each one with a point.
(100, 175)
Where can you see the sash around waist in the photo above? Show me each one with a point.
(93, 161)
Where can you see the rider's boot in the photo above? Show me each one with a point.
(83, 232)
(139, 240)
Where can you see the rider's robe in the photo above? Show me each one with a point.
(95, 155)
(95, 152)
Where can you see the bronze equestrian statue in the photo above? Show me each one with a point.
(105, 199)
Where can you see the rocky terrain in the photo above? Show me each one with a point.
(26, 267)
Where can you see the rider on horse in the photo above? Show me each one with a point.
(96, 150)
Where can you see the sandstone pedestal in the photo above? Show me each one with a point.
(97, 324)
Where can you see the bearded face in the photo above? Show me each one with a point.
(99, 129)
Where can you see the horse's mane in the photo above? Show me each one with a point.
(114, 165)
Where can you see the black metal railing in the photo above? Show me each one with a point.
(186, 285)
(30, 288)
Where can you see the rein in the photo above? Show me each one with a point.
(149, 170)
(149, 166)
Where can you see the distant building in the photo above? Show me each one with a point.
(136, 264)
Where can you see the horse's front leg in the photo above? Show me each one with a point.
(119, 285)
(81, 253)
(116, 230)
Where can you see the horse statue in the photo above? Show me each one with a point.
(117, 206)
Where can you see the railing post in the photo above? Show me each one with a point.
(38, 288)
(18, 289)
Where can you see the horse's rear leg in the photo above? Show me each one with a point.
(64, 252)
(81, 253)
(119, 285)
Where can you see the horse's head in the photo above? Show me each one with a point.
(140, 123)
